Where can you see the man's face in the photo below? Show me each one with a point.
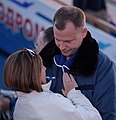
(69, 39)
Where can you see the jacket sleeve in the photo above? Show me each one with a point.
(105, 89)
(76, 106)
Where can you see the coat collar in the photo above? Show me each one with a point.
(61, 61)
(45, 88)
(85, 61)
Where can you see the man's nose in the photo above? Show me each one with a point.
(62, 46)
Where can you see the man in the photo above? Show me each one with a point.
(80, 56)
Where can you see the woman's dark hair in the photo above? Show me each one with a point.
(22, 71)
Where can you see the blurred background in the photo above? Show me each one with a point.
(21, 21)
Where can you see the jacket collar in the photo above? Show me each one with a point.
(61, 61)
(45, 87)
(85, 61)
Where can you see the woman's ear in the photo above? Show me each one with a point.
(84, 32)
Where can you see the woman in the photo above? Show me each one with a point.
(25, 73)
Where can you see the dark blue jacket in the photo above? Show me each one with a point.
(94, 72)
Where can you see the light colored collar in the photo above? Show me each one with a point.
(46, 87)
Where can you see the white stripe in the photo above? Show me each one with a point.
(60, 65)
(66, 67)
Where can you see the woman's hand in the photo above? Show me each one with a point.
(68, 83)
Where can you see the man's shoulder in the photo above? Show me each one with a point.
(102, 57)
(105, 62)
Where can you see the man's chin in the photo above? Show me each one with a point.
(66, 55)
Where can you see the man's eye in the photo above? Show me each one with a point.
(68, 41)
(56, 40)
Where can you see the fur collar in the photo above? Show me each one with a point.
(86, 58)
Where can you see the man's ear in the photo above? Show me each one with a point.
(84, 32)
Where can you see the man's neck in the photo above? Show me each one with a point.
(67, 58)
